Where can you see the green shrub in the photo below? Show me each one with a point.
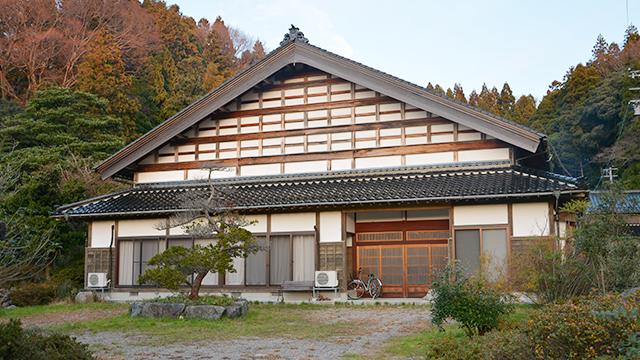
(29, 294)
(586, 327)
(19, 344)
(471, 301)
(495, 345)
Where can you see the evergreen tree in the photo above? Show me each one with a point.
(506, 102)
(102, 72)
(458, 93)
(473, 98)
(438, 90)
(524, 109)
(450, 93)
(488, 99)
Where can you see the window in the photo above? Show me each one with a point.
(304, 257)
(256, 264)
(468, 249)
(491, 243)
(280, 259)
(133, 259)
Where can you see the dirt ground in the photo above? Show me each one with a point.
(58, 318)
(372, 327)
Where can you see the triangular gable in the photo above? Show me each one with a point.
(301, 52)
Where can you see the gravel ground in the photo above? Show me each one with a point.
(369, 334)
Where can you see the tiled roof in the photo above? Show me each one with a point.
(338, 189)
(627, 202)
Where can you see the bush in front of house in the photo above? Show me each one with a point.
(19, 344)
(29, 294)
(587, 327)
(469, 300)
(495, 345)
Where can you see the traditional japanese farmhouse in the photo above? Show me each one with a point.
(340, 166)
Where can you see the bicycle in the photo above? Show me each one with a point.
(357, 288)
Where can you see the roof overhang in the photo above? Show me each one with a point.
(300, 52)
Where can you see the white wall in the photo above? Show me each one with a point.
(330, 226)
(531, 219)
(480, 214)
(293, 222)
(259, 223)
(160, 176)
(141, 227)
(101, 234)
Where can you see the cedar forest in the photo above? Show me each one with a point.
(80, 79)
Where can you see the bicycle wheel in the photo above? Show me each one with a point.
(375, 288)
(355, 290)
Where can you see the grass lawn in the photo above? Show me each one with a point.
(21, 312)
(263, 320)
(413, 346)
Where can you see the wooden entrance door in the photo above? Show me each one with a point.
(405, 255)
(405, 270)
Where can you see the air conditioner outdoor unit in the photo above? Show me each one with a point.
(326, 279)
(97, 280)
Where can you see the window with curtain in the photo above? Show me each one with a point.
(133, 259)
(304, 257)
(256, 264)
(280, 259)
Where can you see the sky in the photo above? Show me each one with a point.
(527, 43)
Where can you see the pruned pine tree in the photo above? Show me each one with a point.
(209, 215)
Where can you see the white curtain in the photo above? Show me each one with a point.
(125, 261)
(304, 257)
(280, 259)
(236, 278)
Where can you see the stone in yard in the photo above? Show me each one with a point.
(136, 308)
(5, 300)
(238, 308)
(207, 312)
(85, 297)
(162, 309)
(11, 307)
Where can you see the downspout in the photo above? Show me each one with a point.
(556, 218)
(113, 233)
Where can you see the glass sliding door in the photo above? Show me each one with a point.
(468, 250)
(256, 264)
(304, 257)
(280, 259)
(494, 250)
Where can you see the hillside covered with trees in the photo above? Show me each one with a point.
(79, 79)
(586, 115)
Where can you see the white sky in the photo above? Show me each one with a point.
(527, 43)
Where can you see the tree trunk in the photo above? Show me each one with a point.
(195, 287)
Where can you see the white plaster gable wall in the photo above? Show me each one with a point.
(531, 219)
(141, 227)
(293, 222)
(480, 214)
(330, 226)
(101, 234)
(160, 176)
